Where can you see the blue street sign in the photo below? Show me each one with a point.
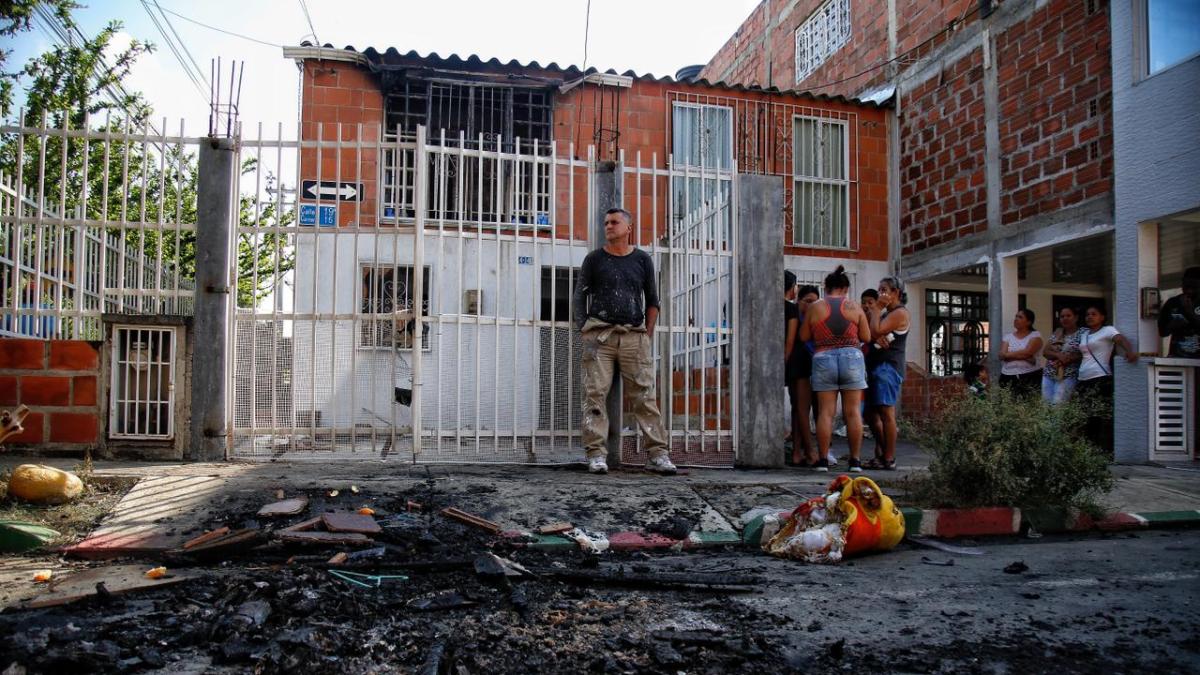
(524, 260)
(309, 216)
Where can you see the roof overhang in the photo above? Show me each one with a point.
(303, 53)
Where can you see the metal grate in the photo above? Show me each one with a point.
(142, 384)
(1173, 399)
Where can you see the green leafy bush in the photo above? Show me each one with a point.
(1004, 450)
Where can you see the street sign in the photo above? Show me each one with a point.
(331, 189)
(309, 215)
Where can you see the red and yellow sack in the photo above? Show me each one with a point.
(853, 517)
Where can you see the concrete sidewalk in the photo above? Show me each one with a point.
(175, 502)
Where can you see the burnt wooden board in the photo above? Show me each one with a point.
(287, 507)
(117, 579)
(350, 538)
(351, 522)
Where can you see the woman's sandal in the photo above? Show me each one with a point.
(889, 465)
(876, 463)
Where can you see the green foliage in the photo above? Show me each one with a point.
(1004, 450)
(126, 178)
(16, 16)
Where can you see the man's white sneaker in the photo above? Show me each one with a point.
(597, 465)
(661, 464)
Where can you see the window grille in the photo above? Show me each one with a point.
(822, 34)
(956, 326)
(142, 384)
(701, 140)
(489, 117)
(821, 199)
(387, 290)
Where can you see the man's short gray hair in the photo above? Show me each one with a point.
(624, 214)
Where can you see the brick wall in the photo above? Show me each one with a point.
(740, 60)
(337, 97)
(1055, 95)
(942, 159)
(58, 380)
(921, 392)
(635, 121)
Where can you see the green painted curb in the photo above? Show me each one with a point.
(718, 538)
(752, 533)
(1174, 517)
(912, 519)
(550, 542)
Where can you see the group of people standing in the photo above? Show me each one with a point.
(836, 347)
(1078, 362)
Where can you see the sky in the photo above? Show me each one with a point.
(648, 36)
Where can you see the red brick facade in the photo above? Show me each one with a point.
(58, 381)
(1054, 107)
(1055, 80)
(637, 123)
(942, 167)
(921, 392)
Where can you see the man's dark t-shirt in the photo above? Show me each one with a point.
(1185, 337)
(616, 286)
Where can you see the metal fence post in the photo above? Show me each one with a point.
(215, 209)
(608, 190)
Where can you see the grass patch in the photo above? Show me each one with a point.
(76, 519)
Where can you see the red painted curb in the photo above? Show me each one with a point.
(1118, 521)
(104, 547)
(976, 522)
(636, 541)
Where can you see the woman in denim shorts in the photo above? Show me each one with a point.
(837, 327)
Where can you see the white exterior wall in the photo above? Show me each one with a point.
(349, 383)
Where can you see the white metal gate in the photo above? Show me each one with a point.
(418, 302)
(142, 383)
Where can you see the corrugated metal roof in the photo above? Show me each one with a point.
(392, 56)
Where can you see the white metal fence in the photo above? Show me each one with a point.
(429, 316)
(95, 220)
(394, 297)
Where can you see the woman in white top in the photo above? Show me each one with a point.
(1019, 351)
(1096, 345)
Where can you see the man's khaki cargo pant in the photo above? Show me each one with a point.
(626, 348)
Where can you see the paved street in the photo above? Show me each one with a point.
(1119, 603)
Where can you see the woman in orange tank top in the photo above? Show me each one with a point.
(838, 327)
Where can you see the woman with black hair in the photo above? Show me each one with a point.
(798, 370)
(889, 323)
(837, 326)
(1097, 342)
(1019, 370)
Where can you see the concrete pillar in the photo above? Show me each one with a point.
(608, 192)
(1135, 252)
(1003, 300)
(762, 418)
(215, 209)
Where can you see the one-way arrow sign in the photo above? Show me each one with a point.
(331, 189)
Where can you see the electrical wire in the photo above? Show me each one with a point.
(308, 17)
(219, 30)
(182, 43)
(187, 68)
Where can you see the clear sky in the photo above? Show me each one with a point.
(655, 36)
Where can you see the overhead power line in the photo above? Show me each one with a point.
(218, 29)
(196, 79)
(308, 17)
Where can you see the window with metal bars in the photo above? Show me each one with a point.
(512, 120)
(821, 187)
(822, 34)
(956, 326)
(388, 290)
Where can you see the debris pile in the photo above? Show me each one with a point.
(312, 583)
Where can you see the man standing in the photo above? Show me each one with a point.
(1179, 318)
(616, 307)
